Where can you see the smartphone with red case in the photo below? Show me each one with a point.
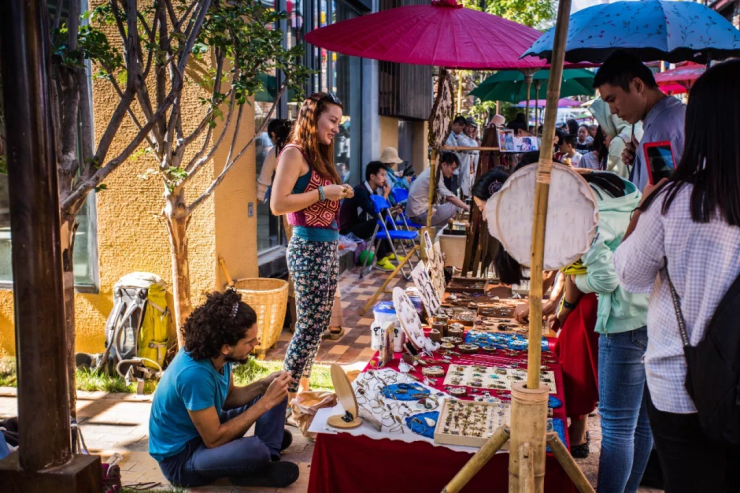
(659, 160)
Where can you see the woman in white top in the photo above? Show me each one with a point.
(596, 158)
(689, 224)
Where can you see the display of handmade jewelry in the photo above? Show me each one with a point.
(395, 399)
(496, 340)
(470, 423)
(492, 377)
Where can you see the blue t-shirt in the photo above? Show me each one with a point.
(186, 385)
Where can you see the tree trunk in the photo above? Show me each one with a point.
(68, 231)
(178, 219)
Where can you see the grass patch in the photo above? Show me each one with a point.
(254, 370)
(91, 381)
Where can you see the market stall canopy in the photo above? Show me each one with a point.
(651, 29)
(442, 34)
(510, 85)
(680, 79)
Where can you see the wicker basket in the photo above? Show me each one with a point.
(269, 298)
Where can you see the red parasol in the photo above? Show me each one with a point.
(680, 79)
(443, 34)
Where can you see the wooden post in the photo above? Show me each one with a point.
(528, 426)
(526, 468)
(381, 289)
(569, 464)
(44, 461)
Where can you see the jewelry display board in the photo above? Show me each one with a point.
(492, 377)
(424, 284)
(470, 423)
(410, 321)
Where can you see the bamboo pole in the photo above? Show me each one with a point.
(537, 107)
(528, 80)
(476, 463)
(569, 464)
(542, 192)
(526, 468)
(528, 426)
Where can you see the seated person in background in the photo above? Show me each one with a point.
(199, 417)
(447, 205)
(568, 150)
(357, 214)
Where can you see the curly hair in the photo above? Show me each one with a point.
(212, 324)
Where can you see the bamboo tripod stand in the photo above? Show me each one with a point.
(527, 434)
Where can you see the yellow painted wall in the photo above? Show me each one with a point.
(388, 133)
(421, 146)
(132, 236)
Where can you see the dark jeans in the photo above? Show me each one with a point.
(690, 462)
(198, 465)
(626, 438)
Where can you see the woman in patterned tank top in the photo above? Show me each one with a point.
(307, 189)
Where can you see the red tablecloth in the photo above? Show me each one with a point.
(346, 463)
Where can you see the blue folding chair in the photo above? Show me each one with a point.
(383, 233)
(402, 195)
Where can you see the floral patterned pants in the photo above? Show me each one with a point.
(314, 269)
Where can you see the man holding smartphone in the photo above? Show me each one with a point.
(630, 90)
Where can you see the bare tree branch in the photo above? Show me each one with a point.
(172, 14)
(229, 164)
(216, 90)
(185, 15)
(96, 179)
(116, 15)
(262, 127)
(131, 86)
(199, 159)
(131, 113)
(152, 39)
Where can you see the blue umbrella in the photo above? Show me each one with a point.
(651, 29)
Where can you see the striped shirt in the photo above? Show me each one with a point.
(703, 262)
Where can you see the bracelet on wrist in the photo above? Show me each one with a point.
(322, 197)
(569, 306)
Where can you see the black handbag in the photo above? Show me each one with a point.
(713, 367)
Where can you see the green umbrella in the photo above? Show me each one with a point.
(510, 85)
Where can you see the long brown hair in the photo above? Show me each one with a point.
(304, 135)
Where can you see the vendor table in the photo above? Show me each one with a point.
(347, 463)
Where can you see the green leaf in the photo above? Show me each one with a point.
(101, 187)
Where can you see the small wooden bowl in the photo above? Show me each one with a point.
(468, 348)
(435, 335)
(455, 332)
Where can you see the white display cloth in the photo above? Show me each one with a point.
(319, 424)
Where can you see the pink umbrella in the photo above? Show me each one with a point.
(680, 79)
(443, 34)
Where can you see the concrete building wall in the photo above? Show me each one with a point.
(132, 235)
(388, 133)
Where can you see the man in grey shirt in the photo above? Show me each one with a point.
(630, 90)
(447, 204)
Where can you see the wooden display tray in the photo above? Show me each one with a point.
(491, 409)
(467, 284)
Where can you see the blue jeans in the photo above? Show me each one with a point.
(626, 436)
(198, 465)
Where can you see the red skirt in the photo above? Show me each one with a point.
(577, 348)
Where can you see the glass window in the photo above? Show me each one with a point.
(85, 247)
(346, 83)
